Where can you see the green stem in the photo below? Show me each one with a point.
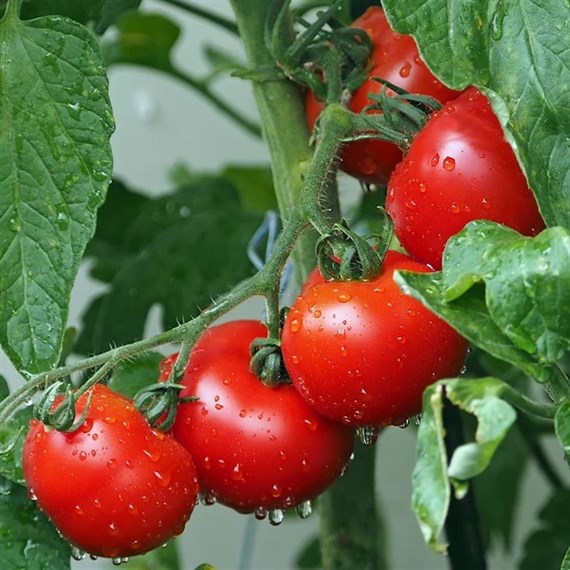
(281, 109)
(527, 405)
(558, 387)
(203, 88)
(12, 10)
(351, 532)
(206, 14)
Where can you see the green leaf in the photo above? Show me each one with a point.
(164, 558)
(254, 185)
(142, 39)
(82, 11)
(518, 50)
(545, 547)
(130, 376)
(566, 561)
(54, 170)
(432, 476)
(111, 11)
(12, 436)
(562, 427)
(28, 541)
(183, 250)
(527, 283)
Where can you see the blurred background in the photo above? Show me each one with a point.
(160, 124)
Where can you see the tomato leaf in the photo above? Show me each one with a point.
(163, 558)
(566, 561)
(12, 436)
(507, 294)
(27, 538)
(4, 388)
(562, 427)
(527, 283)
(82, 11)
(519, 52)
(111, 11)
(181, 251)
(130, 376)
(545, 547)
(54, 171)
(310, 555)
(432, 475)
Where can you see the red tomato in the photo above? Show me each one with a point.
(362, 353)
(459, 168)
(254, 446)
(395, 58)
(115, 487)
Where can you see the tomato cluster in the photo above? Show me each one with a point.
(458, 168)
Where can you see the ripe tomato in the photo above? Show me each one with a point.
(459, 168)
(394, 57)
(115, 487)
(254, 446)
(362, 353)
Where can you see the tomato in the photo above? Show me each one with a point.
(459, 168)
(362, 353)
(115, 487)
(394, 57)
(255, 447)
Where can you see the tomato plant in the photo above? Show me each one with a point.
(459, 168)
(114, 487)
(326, 347)
(255, 448)
(396, 59)
(115, 250)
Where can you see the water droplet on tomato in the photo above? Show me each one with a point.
(110, 420)
(295, 325)
(311, 424)
(378, 290)
(305, 466)
(83, 456)
(368, 434)
(455, 209)
(237, 474)
(276, 516)
(344, 297)
(78, 510)
(163, 478)
(435, 159)
(304, 509)
(422, 187)
(242, 413)
(112, 529)
(153, 455)
(317, 314)
(208, 499)
(485, 204)
(295, 359)
(405, 69)
(260, 513)
(343, 350)
(401, 339)
(448, 163)
(135, 544)
(32, 495)
(404, 424)
(77, 554)
(276, 490)
(86, 425)
(219, 407)
(411, 204)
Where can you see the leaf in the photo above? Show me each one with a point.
(432, 476)
(142, 39)
(566, 561)
(12, 436)
(562, 428)
(518, 51)
(54, 170)
(130, 376)
(82, 11)
(111, 11)
(545, 547)
(221, 61)
(164, 558)
(4, 388)
(254, 185)
(28, 541)
(527, 283)
(182, 251)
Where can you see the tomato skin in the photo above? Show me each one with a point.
(394, 57)
(253, 446)
(459, 168)
(362, 353)
(115, 487)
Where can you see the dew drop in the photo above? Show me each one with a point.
(237, 473)
(295, 325)
(260, 513)
(242, 413)
(455, 209)
(304, 466)
(219, 407)
(422, 187)
(304, 509)
(112, 529)
(276, 490)
(448, 163)
(405, 69)
(344, 297)
(317, 314)
(435, 160)
(368, 434)
(295, 359)
(208, 499)
(276, 516)
(485, 204)
(83, 456)
(78, 510)
(404, 424)
(14, 224)
(86, 425)
(77, 553)
(153, 456)
(311, 424)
